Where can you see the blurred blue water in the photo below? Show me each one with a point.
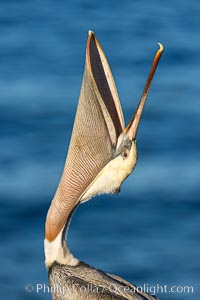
(150, 232)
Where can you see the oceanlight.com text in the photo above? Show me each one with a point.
(91, 288)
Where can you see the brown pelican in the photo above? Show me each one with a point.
(102, 153)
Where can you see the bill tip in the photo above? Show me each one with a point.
(161, 47)
(90, 32)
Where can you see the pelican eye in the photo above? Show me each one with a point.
(125, 153)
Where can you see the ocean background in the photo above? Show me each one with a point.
(150, 233)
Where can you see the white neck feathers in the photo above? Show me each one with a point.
(58, 251)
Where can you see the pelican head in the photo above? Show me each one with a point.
(102, 151)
